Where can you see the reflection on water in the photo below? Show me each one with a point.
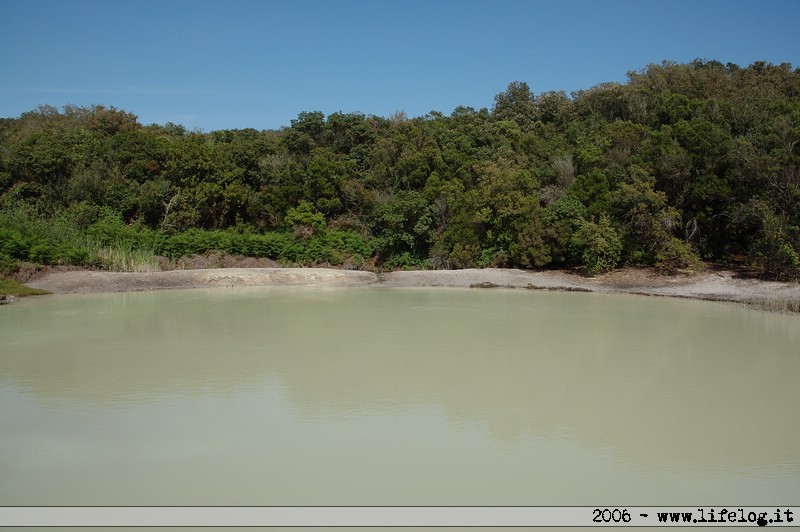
(286, 396)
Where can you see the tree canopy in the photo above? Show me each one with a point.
(683, 162)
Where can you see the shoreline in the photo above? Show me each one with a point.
(720, 285)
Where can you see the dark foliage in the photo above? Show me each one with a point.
(682, 162)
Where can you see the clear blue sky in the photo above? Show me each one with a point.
(237, 63)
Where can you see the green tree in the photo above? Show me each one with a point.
(516, 104)
(596, 245)
(304, 221)
(403, 223)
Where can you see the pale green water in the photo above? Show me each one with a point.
(301, 396)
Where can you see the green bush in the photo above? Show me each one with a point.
(8, 264)
(597, 246)
(778, 259)
(464, 256)
(304, 216)
(676, 255)
(404, 261)
(492, 257)
(330, 246)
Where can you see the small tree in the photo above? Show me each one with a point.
(304, 221)
(597, 245)
(676, 255)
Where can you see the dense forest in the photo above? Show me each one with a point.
(681, 165)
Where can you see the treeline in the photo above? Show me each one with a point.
(682, 163)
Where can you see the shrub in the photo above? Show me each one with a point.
(492, 257)
(464, 256)
(8, 265)
(676, 255)
(304, 221)
(404, 261)
(596, 245)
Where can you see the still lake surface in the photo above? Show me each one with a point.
(369, 396)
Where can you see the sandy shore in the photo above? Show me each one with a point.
(711, 285)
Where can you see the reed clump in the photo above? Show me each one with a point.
(775, 302)
(122, 258)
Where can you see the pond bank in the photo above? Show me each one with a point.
(710, 285)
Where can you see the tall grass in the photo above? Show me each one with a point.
(110, 244)
(125, 258)
(53, 240)
(775, 303)
(27, 236)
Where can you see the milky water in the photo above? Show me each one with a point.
(365, 396)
